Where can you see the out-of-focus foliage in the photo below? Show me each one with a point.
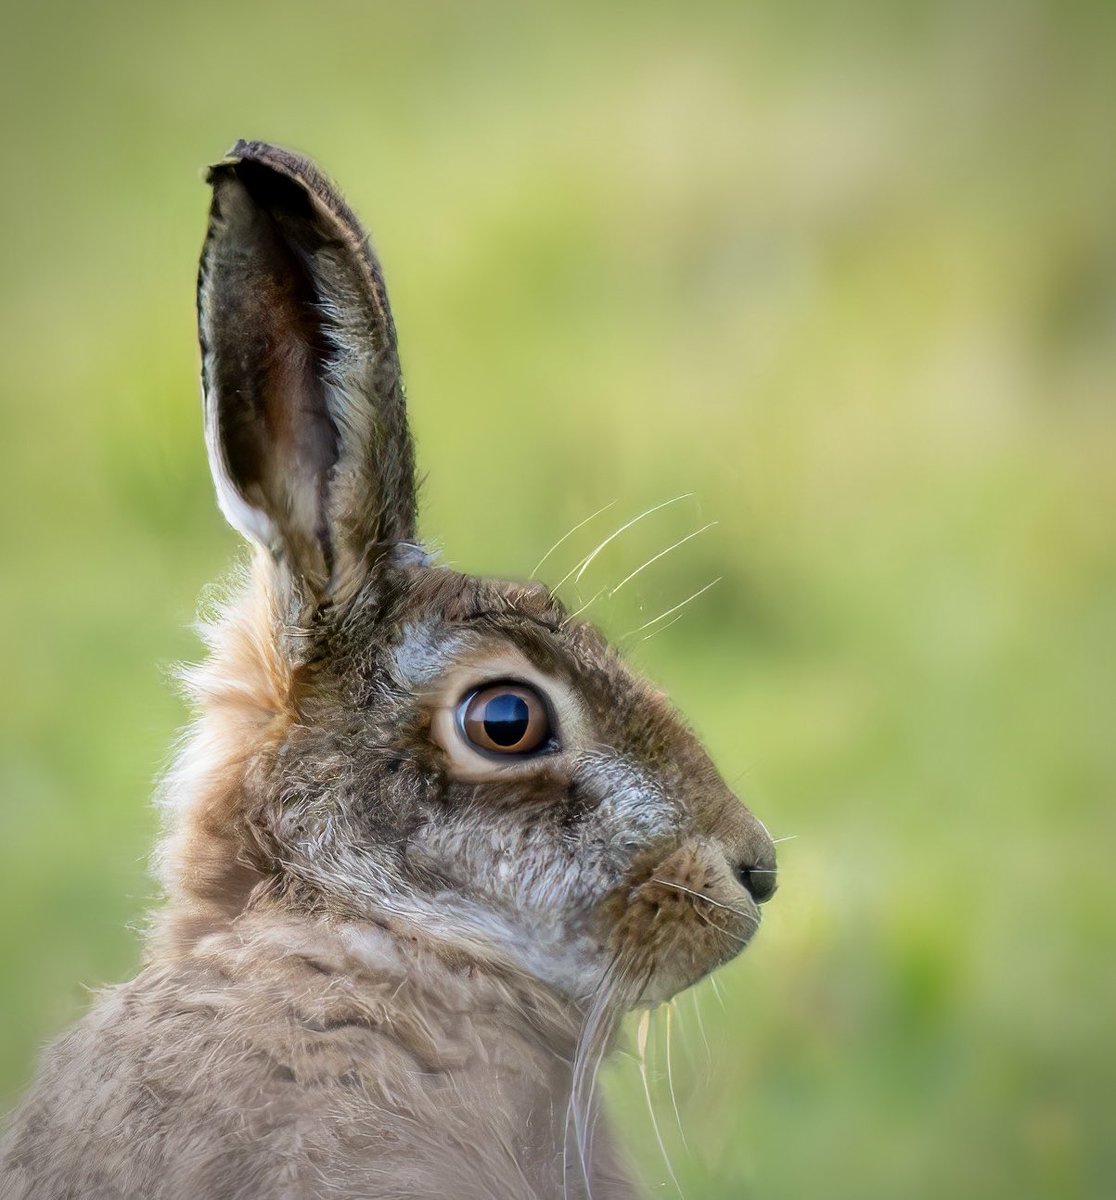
(845, 272)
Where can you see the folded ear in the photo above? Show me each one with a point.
(305, 417)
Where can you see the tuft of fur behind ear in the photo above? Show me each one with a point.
(305, 413)
(208, 859)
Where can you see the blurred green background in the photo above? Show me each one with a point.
(847, 273)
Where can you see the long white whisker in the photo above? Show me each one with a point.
(670, 1078)
(720, 928)
(662, 629)
(701, 1030)
(739, 912)
(585, 563)
(579, 1107)
(600, 1021)
(655, 557)
(789, 838)
(627, 525)
(682, 604)
(641, 1042)
(566, 536)
(587, 1154)
(578, 611)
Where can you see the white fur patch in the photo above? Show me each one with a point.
(424, 654)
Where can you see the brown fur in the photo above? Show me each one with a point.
(387, 966)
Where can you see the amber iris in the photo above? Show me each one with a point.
(506, 718)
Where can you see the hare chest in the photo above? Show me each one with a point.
(269, 1065)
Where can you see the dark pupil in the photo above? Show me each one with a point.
(506, 718)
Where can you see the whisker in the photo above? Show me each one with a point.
(655, 557)
(662, 629)
(578, 611)
(740, 912)
(566, 536)
(641, 1042)
(580, 569)
(593, 1116)
(721, 929)
(606, 1002)
(789, 838)
(588, 1152)
(682, 604)
(670, 1078)
(701, 1030)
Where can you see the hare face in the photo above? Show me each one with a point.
(459, 755)
(612, 840)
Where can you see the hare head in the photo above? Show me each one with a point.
(408, 744)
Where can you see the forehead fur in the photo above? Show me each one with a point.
(412, 629)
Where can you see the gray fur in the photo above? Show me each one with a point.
(386, 966)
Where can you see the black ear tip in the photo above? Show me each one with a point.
(247, 150)
(266, 167)
(282, 179)
(270, 174)
(264, 154)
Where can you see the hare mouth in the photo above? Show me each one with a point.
(685, 890)
(685, 917)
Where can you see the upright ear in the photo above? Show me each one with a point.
(305, 418)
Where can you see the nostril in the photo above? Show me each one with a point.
(759, 881)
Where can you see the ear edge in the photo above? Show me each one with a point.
(292, 192)
(323, 197)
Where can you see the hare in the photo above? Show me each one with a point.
(428, 838)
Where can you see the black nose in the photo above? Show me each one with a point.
(759, 880)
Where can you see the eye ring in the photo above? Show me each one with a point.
(506, 719)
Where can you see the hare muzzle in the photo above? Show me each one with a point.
(698, 907)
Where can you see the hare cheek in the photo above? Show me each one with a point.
(632, 817)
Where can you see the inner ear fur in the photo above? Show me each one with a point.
(305, 415)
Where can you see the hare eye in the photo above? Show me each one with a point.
(506, 718)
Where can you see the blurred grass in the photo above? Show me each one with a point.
(846, 272)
